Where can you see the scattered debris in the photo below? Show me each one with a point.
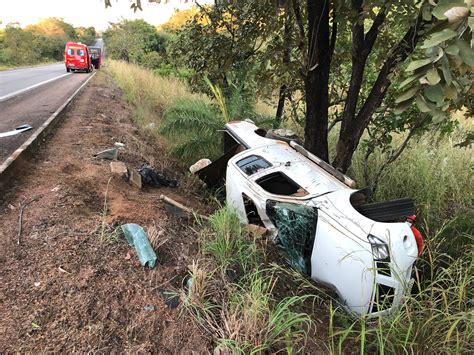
(171, 298)
(119, 168)
(20, 222)
(55, 189)
(149, 308)
(110, 154)
(202, 163)
(154, 179)
(137, 238)
(18, 130)
(10, 206)
(37, 284)
(177, 209)
(135, 178)
(128, 256)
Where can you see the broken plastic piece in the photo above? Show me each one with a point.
(136, 237)
(18, 130)
(110, 154)
(202, 163)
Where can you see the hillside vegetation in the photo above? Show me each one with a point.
(253, 314)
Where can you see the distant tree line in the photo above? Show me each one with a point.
(40, 42)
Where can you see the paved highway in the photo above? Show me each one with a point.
(16, 81)
(31, 96)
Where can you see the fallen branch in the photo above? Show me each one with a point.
(20, 222)
(182, 207)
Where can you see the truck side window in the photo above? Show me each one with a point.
(80, 52)
(70, 51)
(296, 226)
(252, 164)
(278, 183)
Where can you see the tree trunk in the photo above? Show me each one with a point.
(350, 136)
(280, 107)
(286, 62)
(317, 78)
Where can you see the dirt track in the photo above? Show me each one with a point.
(63, 289)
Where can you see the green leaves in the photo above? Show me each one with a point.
(441, 9)
(439, 37)
(433, 76)
(407, 95)
(449, 55)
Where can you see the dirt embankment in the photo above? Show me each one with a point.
(62, 288)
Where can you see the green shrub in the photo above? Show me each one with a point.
(192, 127)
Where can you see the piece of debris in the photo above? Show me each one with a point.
(136, 237)
(135, 178)
(35, 326)
(151, 125)
(171, 298)
(102, 115)
(202, 163)
(149, 308)
(10, 206)
(119, 145)
(177, 209)
(18, 130)
(119, 168)
(62, 270)
(110, 154)
(37, 284)
(154, 179)
(257, 230)
(56, 188)
(128, 256)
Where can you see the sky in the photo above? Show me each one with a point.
(87, 12)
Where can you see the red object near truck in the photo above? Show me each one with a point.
(77, 57)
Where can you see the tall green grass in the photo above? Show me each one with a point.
(241, 313)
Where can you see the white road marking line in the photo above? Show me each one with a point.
(6, 97)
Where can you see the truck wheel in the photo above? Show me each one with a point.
(68, 69)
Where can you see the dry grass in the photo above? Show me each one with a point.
(150, 93)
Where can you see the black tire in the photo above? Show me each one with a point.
(68, 69)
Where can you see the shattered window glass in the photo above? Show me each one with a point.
(253, 164)
(296, 226)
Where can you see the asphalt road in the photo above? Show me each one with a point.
(33, 106)
(12, 82)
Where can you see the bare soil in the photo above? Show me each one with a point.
(63, 288)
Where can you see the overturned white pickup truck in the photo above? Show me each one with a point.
(317, 217)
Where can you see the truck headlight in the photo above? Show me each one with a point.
(379, 248)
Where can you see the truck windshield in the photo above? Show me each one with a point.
(296, 226)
